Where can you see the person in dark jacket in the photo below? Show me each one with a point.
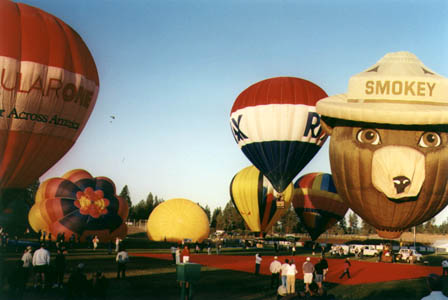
(60, 268)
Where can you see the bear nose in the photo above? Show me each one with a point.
(400, 183)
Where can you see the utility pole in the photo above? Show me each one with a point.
(414, 238)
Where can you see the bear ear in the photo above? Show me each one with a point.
(326, 127)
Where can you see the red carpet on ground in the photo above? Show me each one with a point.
(361, 271)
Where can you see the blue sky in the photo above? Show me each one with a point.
(171, 70)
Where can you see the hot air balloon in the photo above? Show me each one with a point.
(317, 203)
(79, 204)
(48, 88)
(275, 124)
(256, 201)
(176, 220)
(389, 143)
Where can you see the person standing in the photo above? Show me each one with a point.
(258, 260)
(173, 252)
(347, 266)
(291, 278)
(122, 259)
(60, 268)
(177, 255)
(444, 267)
(275, 268)
(41, 261)
(284, 271)
(27, 259)
(308, 270)
(117, 244)
(324, 264)
(185, 254)
(319, 273)
(95, 242)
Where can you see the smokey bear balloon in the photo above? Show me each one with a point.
(389, 143)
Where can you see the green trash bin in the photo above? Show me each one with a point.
(188, 273)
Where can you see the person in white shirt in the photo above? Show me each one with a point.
(275, 268)
(284, 270)
(291, 278)
(41, 261)
(27, 259)
(173, 253)
(258, 260)
(444, 267)
(435, 285)
(122, 258)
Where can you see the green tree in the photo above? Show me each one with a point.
(207, 212)
(214, 221)
(430, 226)
(353, 222)
(290, 222)
(366, 228)
(126, 195)
(342, 226)
(231, 219)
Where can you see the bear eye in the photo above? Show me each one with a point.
(430, 140)
(368, 136)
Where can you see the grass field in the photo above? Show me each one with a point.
(150, 278)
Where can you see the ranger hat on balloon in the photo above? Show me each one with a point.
(398, 89)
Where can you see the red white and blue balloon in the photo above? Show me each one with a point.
(275, 124)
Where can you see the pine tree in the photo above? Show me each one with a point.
(353, 222)
(366, 228)
(214, 221)
(342, 225)
(126, 196)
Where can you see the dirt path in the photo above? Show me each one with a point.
(362, 272)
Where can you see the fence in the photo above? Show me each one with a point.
(137, 223)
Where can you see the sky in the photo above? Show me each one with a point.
(170, 71)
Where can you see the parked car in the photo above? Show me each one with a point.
(356, 249)
(408, 255)
(339, 249)
(370, 250)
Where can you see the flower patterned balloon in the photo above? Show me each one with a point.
(79, 204)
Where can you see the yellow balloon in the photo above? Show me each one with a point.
(36, 219)
(256, 201)
(177, 219)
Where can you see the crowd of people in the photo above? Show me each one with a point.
(37, 271)
(283, 278)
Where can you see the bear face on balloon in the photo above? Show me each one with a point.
(389, 143)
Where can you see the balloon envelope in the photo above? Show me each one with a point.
(388, 147)
(178, 219)
(256, 201)
(275, 124)
(80, 204)
(48, 88)
(317, 203)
